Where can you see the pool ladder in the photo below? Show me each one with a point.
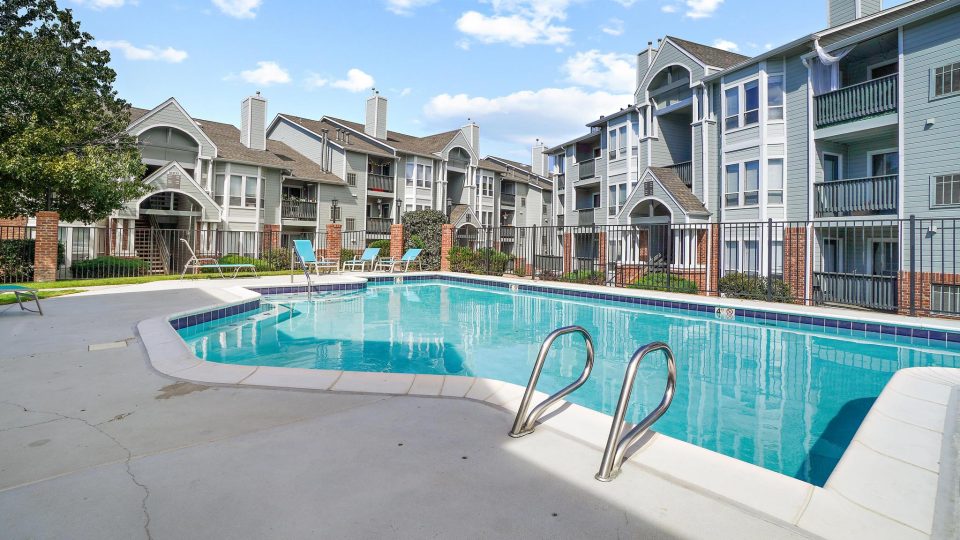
(617, 444)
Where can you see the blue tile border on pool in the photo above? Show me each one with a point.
(213, 315)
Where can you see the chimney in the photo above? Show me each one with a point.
(324, 144)
(844, 11)
(472, 132)
(376, 124)
(253, 122)
(538, 158)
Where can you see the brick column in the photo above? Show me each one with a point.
(602, 238)
(446, 242)
(270, 238)
(396, 241)
(795, 261)
(567, 252)
(334, 241)
(13, 228)
(45, 250)
(713, 260)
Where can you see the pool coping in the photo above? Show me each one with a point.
(864, 495)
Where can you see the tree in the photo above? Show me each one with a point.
(422, 229)
(63, 140)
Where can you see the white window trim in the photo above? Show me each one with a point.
(742, 103)
(839, 157)
(933, 80)
(765, 179)
(884, 63)
(766, 104)
(870, 173)
(869, 255)
(840, 259)
(933, 192)
(742, 183)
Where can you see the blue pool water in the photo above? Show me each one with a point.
(781, 396)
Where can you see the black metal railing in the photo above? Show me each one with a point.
(380, 183)
(874, 292)
(876, 195)
(299, 210)
(857, 101)
(684, 171)
(379, 225)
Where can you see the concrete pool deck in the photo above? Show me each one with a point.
(96, 444)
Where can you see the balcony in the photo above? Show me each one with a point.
(508, 199)
(379, 225)
(299, 210)
(587, 169)
(507, 233)
(684, 171)
(856, 197)
(380, 183)
(871, 292)
(870, 98)
(587, 216)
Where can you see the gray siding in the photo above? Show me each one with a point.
(669, 55)
(271, 196)
(697, 159)
(841, 11)
(797, 181)
(170, 115)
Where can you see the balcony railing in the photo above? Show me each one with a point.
(378, 182)
(379, 225)
(299, 210)
(588, 169)
(857, 197)
(507, 232)
(586, 216)
(872, 292)
(684, 171)
(858, 101)
(508, 199)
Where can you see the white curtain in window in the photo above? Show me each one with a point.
(825, 69)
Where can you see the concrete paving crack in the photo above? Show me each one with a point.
(31, 425)
(129, 458)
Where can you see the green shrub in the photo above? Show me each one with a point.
(347, 255)
(424, 228)
(16, 259)
(485, 261)
(260, 264)
(109, 266)
(384, 246)
(745, 286)
(592, 277)
(661, 281)
(277, 258)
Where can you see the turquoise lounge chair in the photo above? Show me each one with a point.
(308, 257)
(409, 257)
(31, 294)
(369, 256)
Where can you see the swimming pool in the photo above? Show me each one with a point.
(782, 395)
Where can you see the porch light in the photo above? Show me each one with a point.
(334, 211)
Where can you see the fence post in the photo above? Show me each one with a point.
(334, 241)
(913, 266)
(446, 242)
(567, 252)
(533, 254)
(769, 259)
(396, 241)
(45, 247)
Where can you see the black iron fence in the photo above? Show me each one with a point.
(908, 266)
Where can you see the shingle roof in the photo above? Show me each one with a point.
(356, 144)
(710, 56)
(672, 183)
(518, 172)
(491, 165)
(411, 144)
(277, 155)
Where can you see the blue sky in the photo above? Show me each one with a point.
(522, 69)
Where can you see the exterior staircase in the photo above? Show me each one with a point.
(146, 245)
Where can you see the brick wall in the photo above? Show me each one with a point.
(626, 274)
(567, 252)
(714, 260)
(446, 242)
(396, 241)
(270, 238)
(923, 290)
(602, 252)
(795, 261)
(45, 256)
(334, 241)
(13, 228)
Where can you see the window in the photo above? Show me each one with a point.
(751, 99)
(775, 97)
(946, 80)
(733, 185)
(622, 149)
(732, 114)
(352, 179)
(946, 190)
(751, 188)
(409, 175)
(612, 201)
(523, 202)
(350, 224)
(596, 200)
(775, 181)
(486, 185)
(751, 257)
(636, 137)
(777, 258)
(884, 164)
(612, 144)
(945, 298)
(424, 176)
(885, 70)
(831, 167)
(831, 255)
(218, 188)
(236, 190)
(731, 256)
(884, 261)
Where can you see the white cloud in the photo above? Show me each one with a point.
(614, 27)
(267, 73)
(102, 4)
(668, 8)
(726, 45)
(356, 81)
(150, 52)
(626, 3)
(699, 9)
(241, 9)
(316, 81)
(406, 92)
(406, 7)
(518, 23)
(611, 71)
(552, 114)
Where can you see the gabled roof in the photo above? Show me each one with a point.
(587, 137)
(356, 144)
(518, 172)
(410, 144)
(278, 155)
(710, 56)
(678, 190)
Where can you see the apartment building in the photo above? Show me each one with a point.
(836, 136)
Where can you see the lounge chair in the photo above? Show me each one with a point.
(308, 257)
(409, 257)
(369, 256)
(18, 290)
(201, 263)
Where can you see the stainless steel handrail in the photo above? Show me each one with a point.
(617, 447)
(524, 423)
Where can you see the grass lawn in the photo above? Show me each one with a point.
(9, 298)
(138, 279)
